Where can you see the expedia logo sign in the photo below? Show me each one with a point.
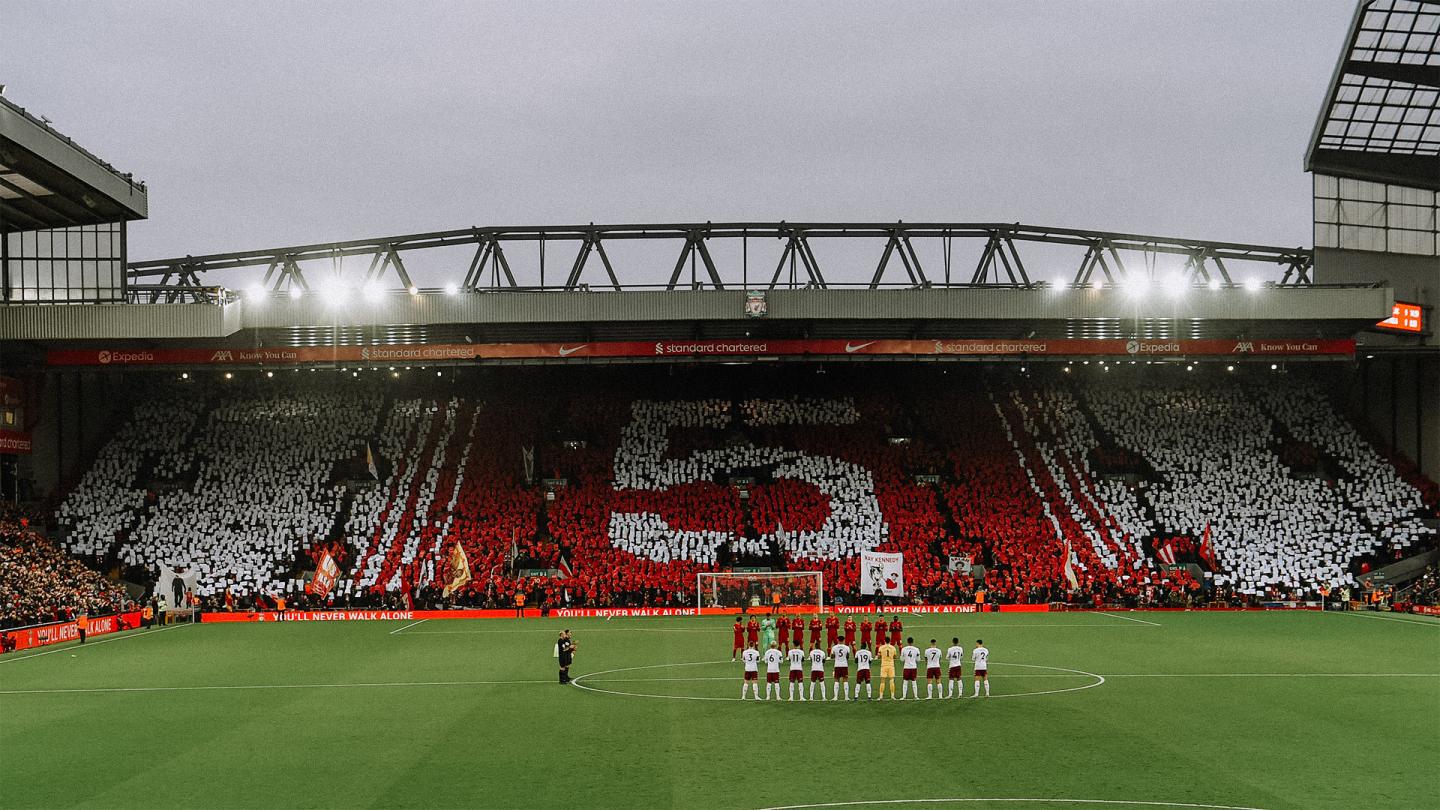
(106, 358)
(1151, 347)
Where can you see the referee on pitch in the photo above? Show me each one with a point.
(566, 647)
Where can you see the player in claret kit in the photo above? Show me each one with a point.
(862, 672)
(739, 640)
(840, 654)
(797, 670)
(782, 627)
(832, 630)
(814, 632)
(752, 633)
(865, 632)
(980, 657)
(797, 633)
(773, 657)
(909, 664)
(817, 672)
(932, 669)
(751, 657)
(955, 655)
(849, 631)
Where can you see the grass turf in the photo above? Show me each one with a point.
(1252, 710)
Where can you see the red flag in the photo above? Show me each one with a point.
(1207, 550)
(566, 571)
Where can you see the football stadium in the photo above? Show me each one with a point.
(672, 512)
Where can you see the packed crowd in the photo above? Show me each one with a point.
(1056, 491)
(41, 583)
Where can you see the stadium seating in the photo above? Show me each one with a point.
(248, 487)
(40, 583)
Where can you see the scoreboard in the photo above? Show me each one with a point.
(1404, 318)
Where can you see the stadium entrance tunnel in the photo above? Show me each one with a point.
(720, 680)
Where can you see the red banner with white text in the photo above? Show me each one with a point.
(41, 635)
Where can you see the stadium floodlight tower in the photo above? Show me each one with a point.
(758, 589)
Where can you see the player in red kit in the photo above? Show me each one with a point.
(865, 632)
(752, 633)
(832, 630)
(739, 640)
(814, 632)
(782, 632)
(895, 629)
(797, 632)
(849, 631)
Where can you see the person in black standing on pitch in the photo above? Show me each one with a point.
(567, 655)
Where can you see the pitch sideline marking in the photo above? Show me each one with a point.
(1100, 681)
(397, 630)
(1129, 619)
(72, 646)
(1126, 802)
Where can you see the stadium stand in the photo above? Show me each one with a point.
(1266, 490)
(40, 583)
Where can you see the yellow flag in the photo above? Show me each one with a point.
(459, 569)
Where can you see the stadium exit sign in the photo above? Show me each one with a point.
(1404, 318)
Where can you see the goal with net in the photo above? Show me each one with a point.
(758, 590)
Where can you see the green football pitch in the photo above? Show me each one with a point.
(1088, 710)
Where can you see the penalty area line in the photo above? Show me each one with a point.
(397, 630)
(1131, 619)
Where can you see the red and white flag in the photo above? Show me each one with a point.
(1207, 550)
(1166, 553)
(325, 575)
(1070, 568)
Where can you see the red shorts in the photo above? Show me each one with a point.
(739, 643)
(752, 676)
(754, 640)
(979, 673)
(932, 672)
(817, 675)
(895, 639)
(797, 676)
(909, 675)
(772, 677)
(862, 676)
(842, 673)
(955, 673)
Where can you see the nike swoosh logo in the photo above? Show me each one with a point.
(566, 352)
(851, 348)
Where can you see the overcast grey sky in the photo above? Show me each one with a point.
(258, 124)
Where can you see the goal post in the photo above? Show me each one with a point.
(757, 590)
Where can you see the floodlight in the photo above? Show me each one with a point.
(296, 292)
(1214, 284)
(451, 289)
(1252, 284)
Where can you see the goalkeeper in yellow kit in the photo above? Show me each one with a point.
(887, 653)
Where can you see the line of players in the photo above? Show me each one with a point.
(788, 632)
(841, 654)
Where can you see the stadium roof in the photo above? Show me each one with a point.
(49, 181)
(1381, 119)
